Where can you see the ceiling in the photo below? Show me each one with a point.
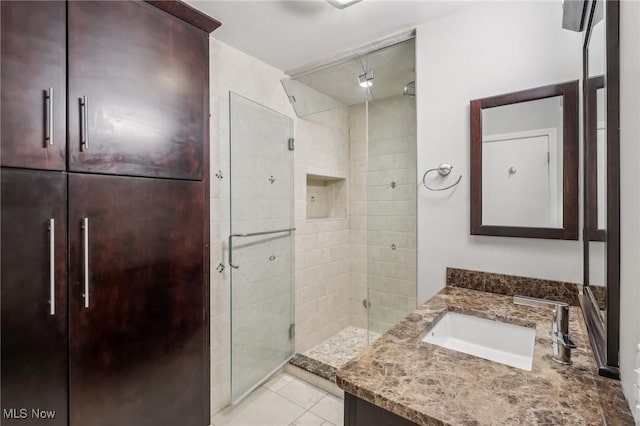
(393, 68)
(291, 34)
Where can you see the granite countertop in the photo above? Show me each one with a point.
(432, 385)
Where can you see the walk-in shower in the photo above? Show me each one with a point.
(368, 102)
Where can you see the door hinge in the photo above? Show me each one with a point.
(291, 144)
(548, 157)
(292, 331)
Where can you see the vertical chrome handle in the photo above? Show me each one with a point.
(84, 123)
(85, 243)
(52, 267)
(49, 116)
(231, 253)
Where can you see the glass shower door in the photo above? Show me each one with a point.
(260, 243)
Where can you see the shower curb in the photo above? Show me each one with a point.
(315, 367)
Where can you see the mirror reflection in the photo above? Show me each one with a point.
(522, 179)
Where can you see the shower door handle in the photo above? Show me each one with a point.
(231, 253)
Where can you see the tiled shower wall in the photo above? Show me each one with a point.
(322, 245)
(358, 213)
(383, 211)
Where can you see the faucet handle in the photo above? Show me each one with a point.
(565, 340)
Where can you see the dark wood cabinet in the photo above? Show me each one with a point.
(33, 269)
(138, 352)
(138, 91)
(33, 82)
(358, 412)
(124, 186)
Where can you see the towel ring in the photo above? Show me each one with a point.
(443, 170)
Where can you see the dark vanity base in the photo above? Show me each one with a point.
(358, 412)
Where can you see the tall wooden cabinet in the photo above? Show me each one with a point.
(33, 274)
(137, 344)
(33, 86)
(151, 116)
(104, 200)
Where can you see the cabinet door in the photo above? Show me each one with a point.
(138, 91)
(138, 348)
(33, 272)
(33, 95)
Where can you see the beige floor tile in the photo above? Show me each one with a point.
(331, 409)
(308, 419)
(278, 382)
(262, 408)
(302, 393)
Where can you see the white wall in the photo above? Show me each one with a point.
(629, 192)
(491, 49)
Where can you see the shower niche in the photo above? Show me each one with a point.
(326, 197)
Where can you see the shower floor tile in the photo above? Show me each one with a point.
(338, 349)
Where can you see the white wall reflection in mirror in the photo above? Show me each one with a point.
(522, 156)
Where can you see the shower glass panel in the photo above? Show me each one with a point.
(391, 188)
(261, 265)
(374, 94)
(328, 88)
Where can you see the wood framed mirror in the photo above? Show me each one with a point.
(594, 156)
(601, 94)
(524, 163)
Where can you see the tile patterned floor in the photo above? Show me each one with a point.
(338, 349)
(284, 401)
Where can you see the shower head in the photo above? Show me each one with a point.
(410, 89)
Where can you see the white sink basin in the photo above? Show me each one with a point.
(493, 340)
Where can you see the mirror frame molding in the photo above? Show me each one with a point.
(569, 230)
(591, 156)
(605, 336)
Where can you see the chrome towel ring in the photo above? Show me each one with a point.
(443, 170)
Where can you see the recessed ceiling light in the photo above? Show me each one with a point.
(341, 4)
(366, 79)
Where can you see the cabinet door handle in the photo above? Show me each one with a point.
(49, 116)
(84, 123)
(52, 267)
(85, 251)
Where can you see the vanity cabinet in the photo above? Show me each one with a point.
(33, 81)
(33, 273)
(138, 91)
(111, 221)
(358, 412)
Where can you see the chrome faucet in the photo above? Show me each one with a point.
(561, 342)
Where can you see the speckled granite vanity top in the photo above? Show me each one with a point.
(432, 385)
